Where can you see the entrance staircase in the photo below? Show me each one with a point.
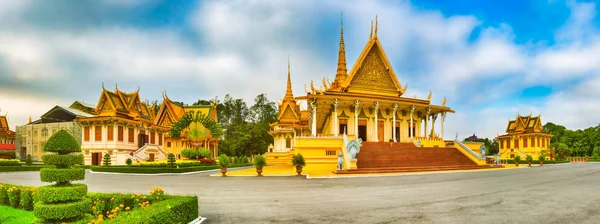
(388, 157)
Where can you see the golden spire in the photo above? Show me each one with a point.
(371, 33)
(30, 118)
(342, 71)
(288, 90)
(376, 25)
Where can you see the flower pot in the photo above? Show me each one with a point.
(529, 164)
(259, 171)
(223, 171)
(299, 170)
(541, 163)
(517, 164)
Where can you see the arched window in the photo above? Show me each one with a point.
(44, 134)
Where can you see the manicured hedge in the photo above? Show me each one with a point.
(31, 168)
(510, 161)
(16, 196)
(61, 175)
(178, 209)
(62, 142)
(62, 211)
(11, 154)
(10, 162)
(151, 170)
(62, 160)
(52, 193)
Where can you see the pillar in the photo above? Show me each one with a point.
(433, 118)
(411, 132)
(427, 122)
(356, 108)
(443, 118)
(376, 122)
(394, 123)
(314, 117)
(336, 126)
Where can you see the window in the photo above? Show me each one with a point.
(160, 139)
(111, 132)
(330, 153)
(152, 137)
(512, 156)
(86, 133)
(516, 143)
(538, 142)
(501, 144)
(44, 134)
(525, 141)
(130, 133)
(168, 144)
(120, 133)
(288, 143)
(98, 133)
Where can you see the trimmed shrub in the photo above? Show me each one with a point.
(224, 161)
(62, 202)
(208, 161)
(259, 161)
(10, 162)
(13, 194)
(8, 154)
(4, 194)
(171, 159)
(529, 159)
(298, 160)
(203, 153)
(517, 159)
(106, 160)
(128, 161)
(27, 198)
(136, 169)
(180, 209)
(28, 160)
(63, 161)
(542, 157)
(188, 153)
(62, 142)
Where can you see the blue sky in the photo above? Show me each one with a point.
(491, 59)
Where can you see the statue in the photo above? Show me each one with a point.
(498, 162)
(353, 148)
(340, 161)
(429, 97)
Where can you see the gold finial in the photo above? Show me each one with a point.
(138, 90)
(405, 87)
(116, 87)
(371, 33)
(103, 86)
(376, 25)
(288, 90)
(305, 90)
(444, 102)
(429, 97)
(30, 118)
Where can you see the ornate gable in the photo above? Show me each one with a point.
(373, 74)
(288, 114)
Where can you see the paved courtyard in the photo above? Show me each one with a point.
(566, 193)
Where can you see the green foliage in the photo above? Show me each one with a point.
(578, 143)
(180, 163)
(53, 193)
(14, 194)
(298, 160)
(224, 161)
(10, 162)
(203, 153)
(63, 161)
(4, 194)
(62, 142)
(62, 211)
(128, 161)
(136, 169)
(517, 159)
(106, 160)
(189, 153)
(10, 215)
(529, 158)
(542, 157)
(240, 160)
(171, 159)
(11, 154)
(180, 209)
(28, 160)
(61, 176)
(31, 168)
(196, 117)
(27, 198)
(259, 161)
(596, 152)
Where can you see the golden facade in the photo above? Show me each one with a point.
(524, 137)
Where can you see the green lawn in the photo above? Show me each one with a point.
(10, 215)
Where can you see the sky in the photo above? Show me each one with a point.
(490, 59)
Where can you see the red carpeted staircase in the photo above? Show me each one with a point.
(386, 157)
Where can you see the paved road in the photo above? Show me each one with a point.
(567, 193)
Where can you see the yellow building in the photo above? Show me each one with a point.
(368, 103)
(524, 137)
(169, 112)
(123, 127)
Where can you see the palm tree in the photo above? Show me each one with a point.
(196, 134)
(196, 127)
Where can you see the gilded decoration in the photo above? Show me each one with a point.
(373, 73)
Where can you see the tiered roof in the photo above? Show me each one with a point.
(122, 104)
(524, 124)
(169, 111)
(4, 128)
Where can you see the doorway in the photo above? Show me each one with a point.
(23, 153)
(151, 157)
(96, 158)
(343, 127)
(380, 131)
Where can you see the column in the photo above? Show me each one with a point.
(314, 117)
(427, 121)
(433, 118)
(443, 118)
(411, 132)
(376, 122)
(336, 126)
(394, 123)
(356, 104)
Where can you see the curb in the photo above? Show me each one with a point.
(163, 174)
(198, 220)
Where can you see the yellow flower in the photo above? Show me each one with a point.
(127, 209)
(112, 199)
(121, 205)
(144, 197)
(132, 196)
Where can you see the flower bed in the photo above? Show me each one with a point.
(10, 162)
(155, 207)
(510, 161)
(154, 170)
(30, 168)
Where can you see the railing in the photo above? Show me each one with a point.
(469, 150)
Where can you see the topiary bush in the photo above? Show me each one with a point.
(517, 160)
(259, 161)
(28, 160)
(128, 161)
(298, 160)
(188, 153)
(171, 159)
(63, 201)
(10, 162)
(203, 153)
(224, 161)
(27, 198)
(106, 160)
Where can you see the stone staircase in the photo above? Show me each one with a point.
(387, 157)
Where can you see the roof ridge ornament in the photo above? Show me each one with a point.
(376, 25)
(371, 33)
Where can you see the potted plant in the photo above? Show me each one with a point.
(259, 163)
(298, 162)
(542, 158)
(517, 159)
(529, 159)
(224, 162)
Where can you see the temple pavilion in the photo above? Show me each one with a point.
(524, 137)
(368, 103)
